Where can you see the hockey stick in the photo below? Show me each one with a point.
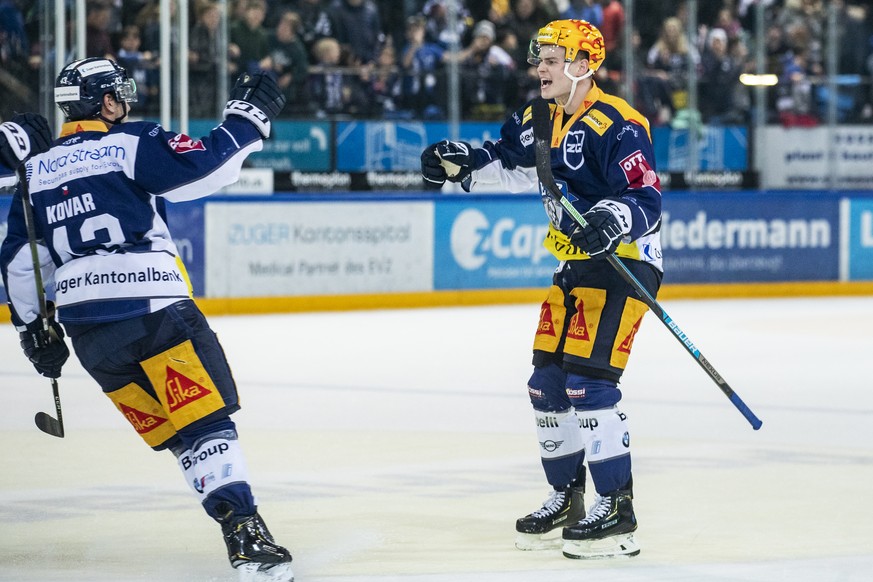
(542, 131)
(44, 421)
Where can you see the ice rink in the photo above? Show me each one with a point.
(400, 446)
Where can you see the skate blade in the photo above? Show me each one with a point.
(536, 542)
(255, 573)
(619, 546)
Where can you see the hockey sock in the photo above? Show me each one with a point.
(607, 445)
(215, 468)
(561, 446)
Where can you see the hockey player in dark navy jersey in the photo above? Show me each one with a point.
(602, 159)
(121, 292)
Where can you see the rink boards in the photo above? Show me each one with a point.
(281, 252)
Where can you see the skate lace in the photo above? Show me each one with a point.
(551, 505)
(600, 509)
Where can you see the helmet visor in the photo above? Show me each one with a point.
(534, 50)
(125, 90)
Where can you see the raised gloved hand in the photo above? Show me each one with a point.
(432, 171)
(46, 350)
(26, 134)
(608, 221)
(446, 160)
(257, 98)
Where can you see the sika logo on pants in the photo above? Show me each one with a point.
(183, 385)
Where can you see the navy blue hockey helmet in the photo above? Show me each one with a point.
(81, 85)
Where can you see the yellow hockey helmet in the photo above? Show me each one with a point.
(574, 36)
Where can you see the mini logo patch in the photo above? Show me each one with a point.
(597, 121)
(629, 340)
(637, 170)
(182, 144)
(142, 421)
(182, 390)
(546, 326)
(578, 328)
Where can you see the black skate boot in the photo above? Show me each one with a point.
(564, 506)
(607, 531)
(253, 551)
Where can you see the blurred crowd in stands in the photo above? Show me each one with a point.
(389, 58)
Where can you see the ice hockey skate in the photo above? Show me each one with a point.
(253, 551)
(564, 506)
(607, 531)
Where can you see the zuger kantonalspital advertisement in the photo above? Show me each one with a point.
(318, 248)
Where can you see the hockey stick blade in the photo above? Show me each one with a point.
(542, 130)
(47, 423)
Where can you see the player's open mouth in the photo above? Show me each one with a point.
(545, 83)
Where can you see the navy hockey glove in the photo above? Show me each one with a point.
(457, 158)
(257, 98)
(608, 222)
(432, 171)
(46, 350)
(26, 134)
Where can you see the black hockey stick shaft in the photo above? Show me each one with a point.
(542, 129)
(44, 421)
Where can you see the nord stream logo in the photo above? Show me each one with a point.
(475, 240)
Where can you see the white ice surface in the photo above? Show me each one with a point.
(399, 446)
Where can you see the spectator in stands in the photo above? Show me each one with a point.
(14, 43)
(384, 84)
(315, 22)
(669, 59)
(437, 27)
(719, 76)
(497, 11)
(588, 10)
(333, 90)
(485, 74)
(203, 61)
(149, 22)
(795, 103)
(392, 15)
(290, 61)
(423, 72)
(652, 91)
(727, 20)
(612, 29)
(250, 42)
(98, 42)
(18, 66)
(140, 66)
(358, 28)
(525, 19)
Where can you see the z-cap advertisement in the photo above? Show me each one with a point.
(491, 243)
(318, 248)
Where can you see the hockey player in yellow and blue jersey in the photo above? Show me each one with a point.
(122, 294)
(603, 161)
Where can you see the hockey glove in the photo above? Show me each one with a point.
(457, 158)
(257, 98)
(46, 350)
(27, 134)
(608, 222)
(432, 171)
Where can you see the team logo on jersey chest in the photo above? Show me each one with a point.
(573, 156)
